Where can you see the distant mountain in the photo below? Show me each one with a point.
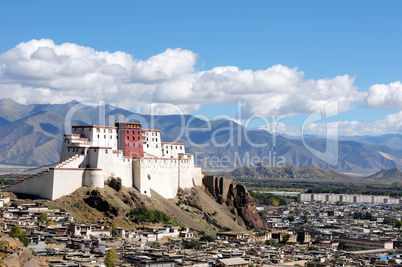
(32, 135)
(387, 174)
(393, 141)
(289, 171)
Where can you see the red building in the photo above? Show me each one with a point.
(130, 139)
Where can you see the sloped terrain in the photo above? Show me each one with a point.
(14, 254)
(387, 174)
(289, 171)
(193, 208)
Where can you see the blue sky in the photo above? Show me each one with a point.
(322, 39)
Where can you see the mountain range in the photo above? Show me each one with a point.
(290, 171)
(32, 135)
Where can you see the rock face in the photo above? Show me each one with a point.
(14, 253)
(235, 196)
(97, 201)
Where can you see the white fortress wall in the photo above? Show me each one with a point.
(172, 150)
(101, 136)
(152, 143)
(160, 175)
(66, 181)
(39, 185)
(185, 173)
(197, 175)
(112, 164)
(75, 161)
(71, 145)
(123, 168)
(93, 178)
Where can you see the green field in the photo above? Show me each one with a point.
(356, 186)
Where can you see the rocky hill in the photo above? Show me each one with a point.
(236, 197)
(14, 254)
(289, 171)
(32, 135)
(387, 174)
(195, 208)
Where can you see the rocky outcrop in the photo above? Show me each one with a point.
(97, 201)
(236, 197)
(14, 253)
(115, 183)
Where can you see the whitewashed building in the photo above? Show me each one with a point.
(91, 154)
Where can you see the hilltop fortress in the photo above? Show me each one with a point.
(90, 155)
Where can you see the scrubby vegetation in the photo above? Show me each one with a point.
(21, 235)
(271, 199)
(193, 244)
(143, 214)
(207, 238)
(43, 217)
(356, 185)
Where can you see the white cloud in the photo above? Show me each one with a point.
(40, 71)
(390, 124)
(385, 96)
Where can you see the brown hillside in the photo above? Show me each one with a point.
(193, 208)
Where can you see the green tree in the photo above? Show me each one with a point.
(398, 224)
(291, 218)
(271, 242)
(143, 214)
(285, 238)
(154, 244)
(193, 244)
(113, 229)
(111, 259)
(313, 248)
(42, 217)
(17, 232)
(207, 238)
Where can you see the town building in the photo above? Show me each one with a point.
(346, 198)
